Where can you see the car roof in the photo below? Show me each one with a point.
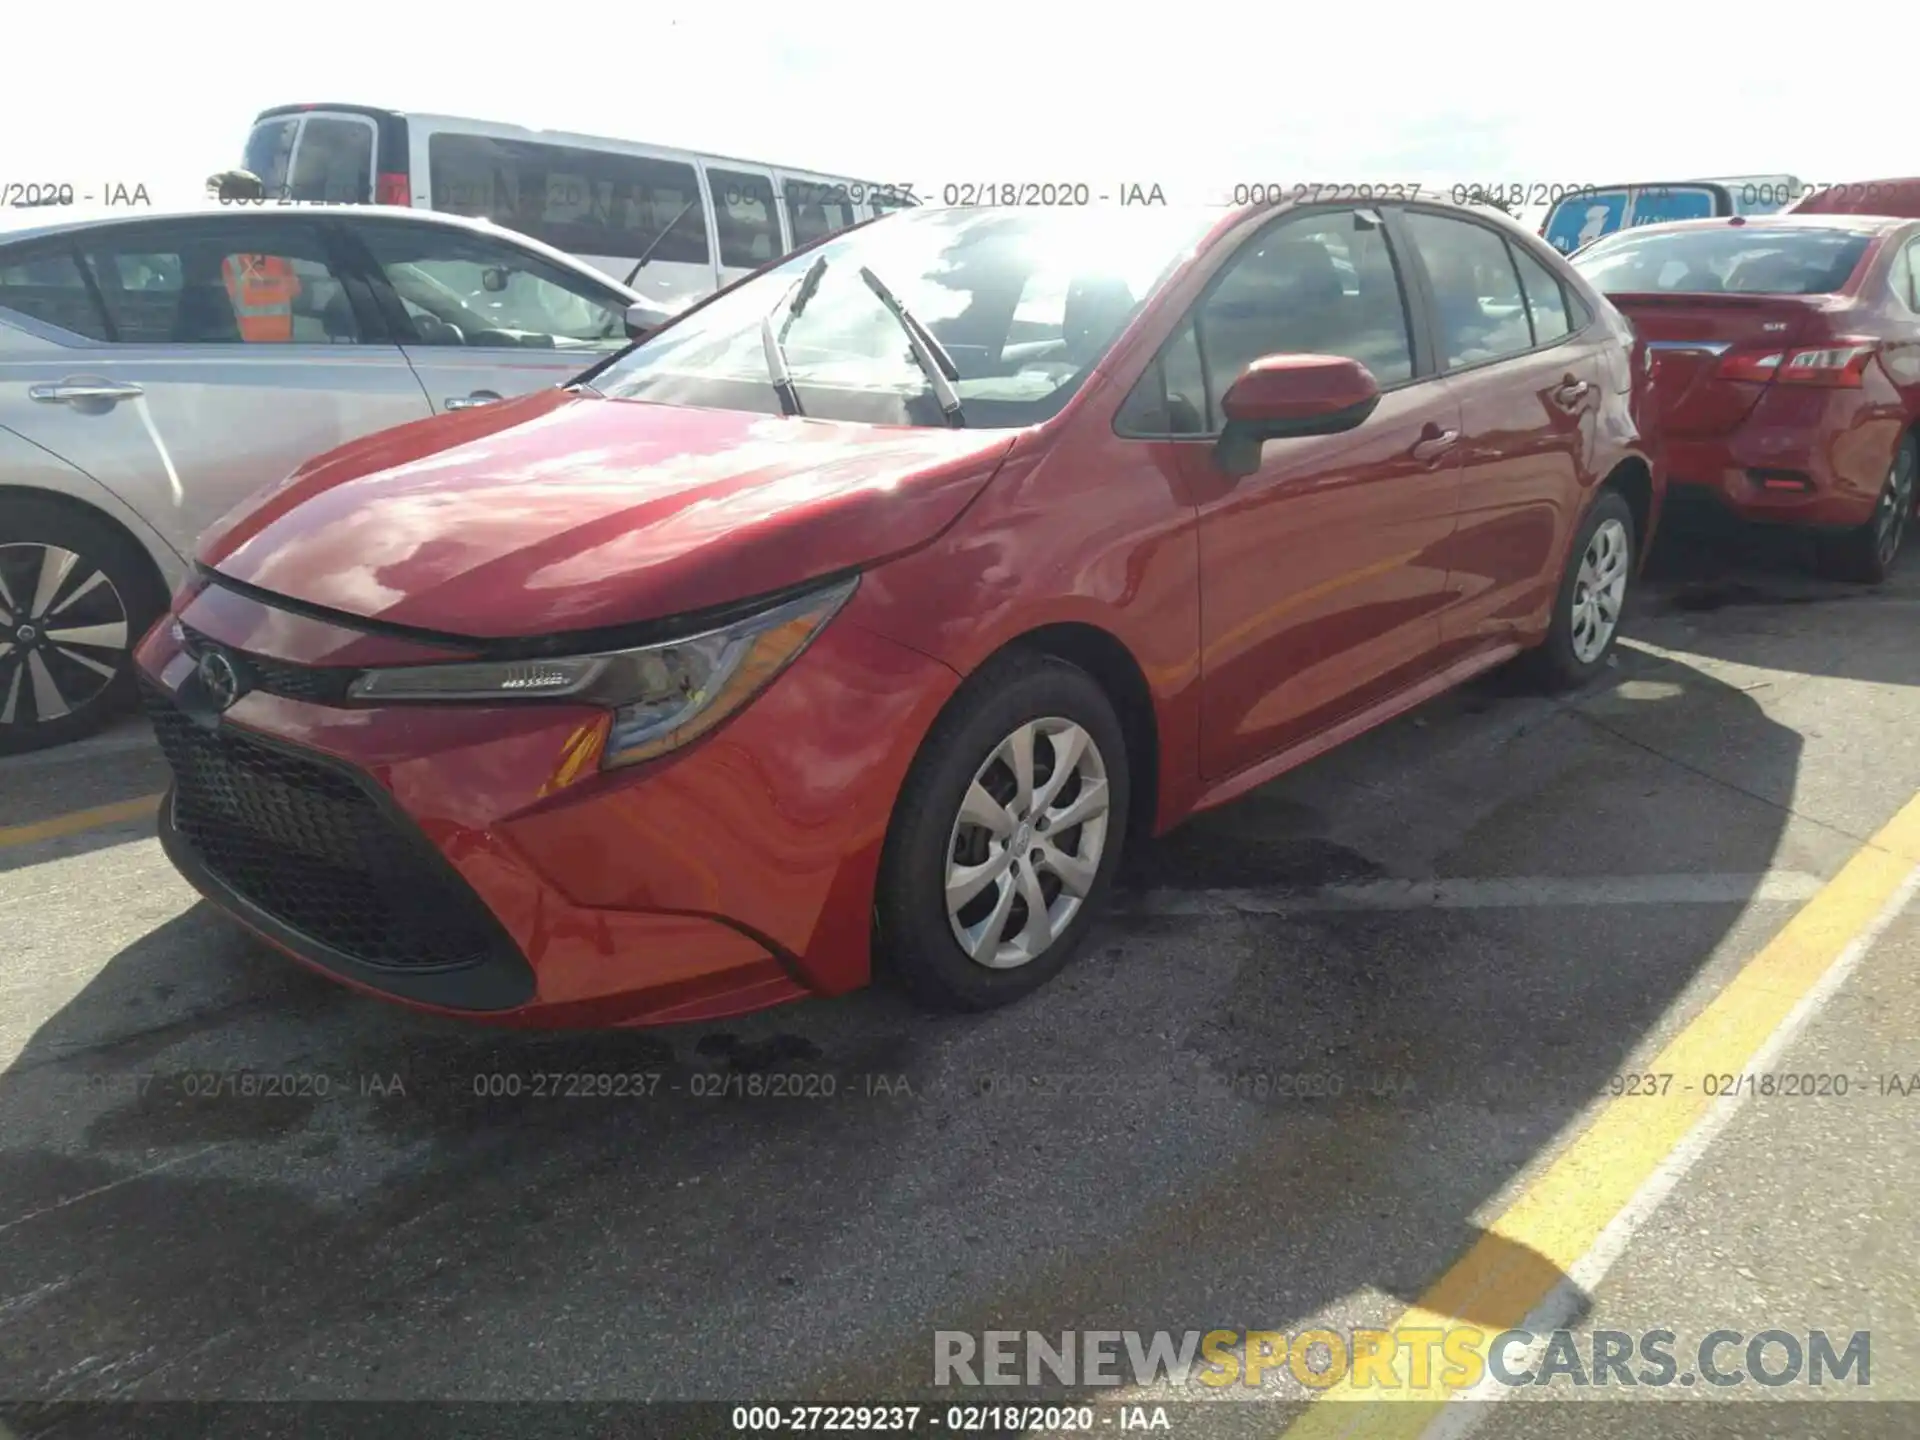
(33, 222)
(1860, 224)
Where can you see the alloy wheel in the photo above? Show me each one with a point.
(1599, 590)
(1895, 508)
(1025, 849)
(64, 633)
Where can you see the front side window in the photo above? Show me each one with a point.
(1747, 260)
(585, 202)
(1476, 291)
(460, 289)
(250, 280)
(1322, 283)
(1904, 277)
(1023, 305)
(50, 288)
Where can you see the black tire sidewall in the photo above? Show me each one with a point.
(916, 942)
(101, 543)
(1555, 660)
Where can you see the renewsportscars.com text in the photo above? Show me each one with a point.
(1454, 1358)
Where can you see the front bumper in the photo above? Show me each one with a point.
(434, 856)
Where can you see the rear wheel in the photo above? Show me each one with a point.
(1005, 837)
(76, 594)
(1867, 555)
(1591, 599)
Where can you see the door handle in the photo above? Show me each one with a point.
(468, 402)
(68, 390)
(1571, 392)
(1434, 442)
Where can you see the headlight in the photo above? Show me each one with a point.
(661, 696)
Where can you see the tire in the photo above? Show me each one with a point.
(62, 680)
(1585, 628)
(1867, 555)
(919, 939)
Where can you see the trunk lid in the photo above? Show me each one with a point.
(1686, 339)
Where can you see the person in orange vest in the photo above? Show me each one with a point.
(262, 287)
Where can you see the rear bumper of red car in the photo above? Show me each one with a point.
(1806, 457)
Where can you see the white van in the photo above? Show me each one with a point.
(701, 221)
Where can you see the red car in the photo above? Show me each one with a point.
(1862, 197)
(1786, 368)
(868, 610)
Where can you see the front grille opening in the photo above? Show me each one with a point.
(311, 847)
(316, 684)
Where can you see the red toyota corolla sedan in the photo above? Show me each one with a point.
(1786, 368)
(863, 615)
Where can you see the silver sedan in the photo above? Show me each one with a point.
(158, 367)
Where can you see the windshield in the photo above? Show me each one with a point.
(1743, 260)
(1024, 304)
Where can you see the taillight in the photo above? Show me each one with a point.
(393, 188)
(1841, 364)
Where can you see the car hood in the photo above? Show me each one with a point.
(559, 511)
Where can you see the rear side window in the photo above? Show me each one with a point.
(51, 289)
(334, 162)
(743, 213)
(1476, 290)
(1746, 260)
(259, 282)
(586, 202)
(1546, 302)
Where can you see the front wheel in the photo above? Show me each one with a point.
(76, 595)
(1867, 554)
(1591, 599)
(1005, 836)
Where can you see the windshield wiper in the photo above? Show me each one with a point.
(929, 352)
(647, 254)
(774, 343)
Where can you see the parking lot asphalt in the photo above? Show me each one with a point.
(1330, 1033)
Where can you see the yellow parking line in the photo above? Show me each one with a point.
(78, 821)
(1521, 1258)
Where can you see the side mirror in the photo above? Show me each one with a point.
(1285, 396)
(642, 321)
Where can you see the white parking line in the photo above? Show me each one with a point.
(1477, 894)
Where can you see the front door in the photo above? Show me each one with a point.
(1322, 573)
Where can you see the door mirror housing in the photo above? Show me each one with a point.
(642, 321)
(1284, 396)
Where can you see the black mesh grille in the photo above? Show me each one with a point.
(319, 684)
(307, 844)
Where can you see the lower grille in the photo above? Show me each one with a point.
(307, 843)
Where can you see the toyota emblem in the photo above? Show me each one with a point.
(220, 678)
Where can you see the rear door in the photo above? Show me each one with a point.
(746, 219)
(1530, 382)
(479, 318)
(227, 351)
(316, 157)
